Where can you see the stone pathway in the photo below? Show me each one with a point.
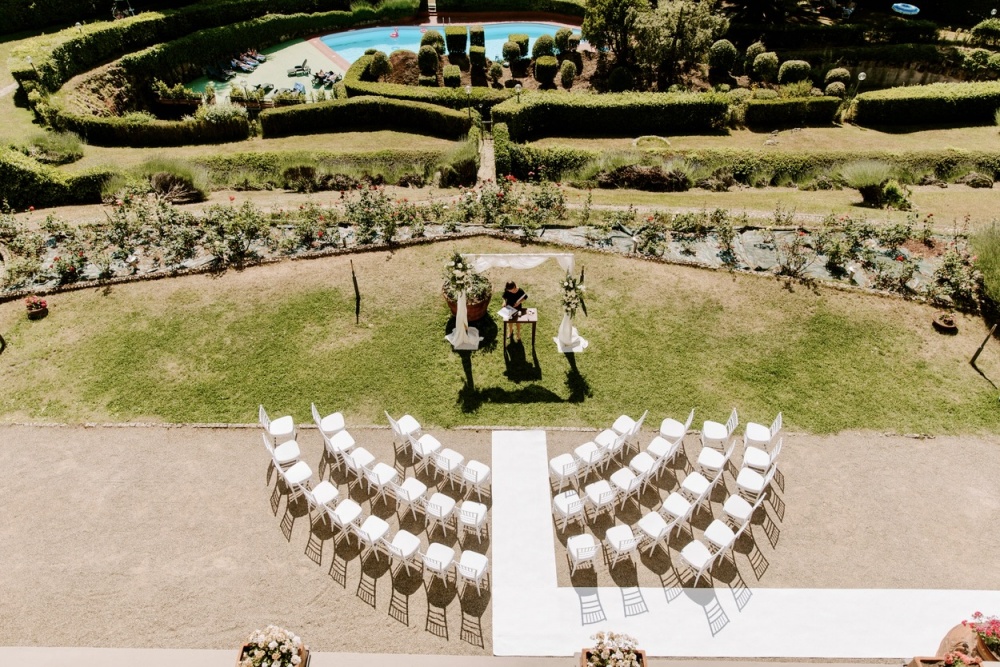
(487, 163)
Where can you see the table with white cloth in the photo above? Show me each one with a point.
(528, 316)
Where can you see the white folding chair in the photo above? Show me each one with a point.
(581, 550)
(280, 429)
(369, 533)
(423, 448)
(591, 457)
(714, 434)
(621, 542)
(329, 425)
(674, 431)
(284, 455)
(408, 495)
(296, 479)
(676, 508)
(758, 434)
(751, 484)
(719, 535)
(738, 511)
(711, 460)
(563, 468)
(600, 496)
(404, 427)
(475, 477)
(472, 518)
(438, 510)
(379, 476)
(698, 558)
(655, 530)
(319, 498)
(699, 488)
(337, 446)
(357, 461)
(612, 443)
(759, 459)
(664, 451)
(448, 462)
(627, 485)
(404, 547)
(346, 514)
(645, 466)
(472, 568)
(438, 560)
(630, 428)
(567, 506)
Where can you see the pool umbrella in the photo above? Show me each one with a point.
(906, 9)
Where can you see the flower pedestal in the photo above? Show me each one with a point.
(586, 653)
(303, 656)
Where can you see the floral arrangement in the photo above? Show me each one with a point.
(957, 659)
(988, 629)
(613, 649)
(34, 303)
(572, 298)
(271, 647)
(459, 275)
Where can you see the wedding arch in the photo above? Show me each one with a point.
(464, 337)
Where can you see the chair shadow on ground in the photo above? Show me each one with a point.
(404, 584)
(474, 604)
(439, 596)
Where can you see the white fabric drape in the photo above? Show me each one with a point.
(463, 337)
(566, 330)
(523, 261)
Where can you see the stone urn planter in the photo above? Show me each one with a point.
(985, 652)
(585, 655)
(475, 310)
(303, 656)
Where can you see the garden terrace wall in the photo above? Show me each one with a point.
(622, 114)
(365, 113)
(25, 182)
(357, 83)
(809, 111)
(937, 103)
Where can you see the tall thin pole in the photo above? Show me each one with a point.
(985, 340)
(357, 295)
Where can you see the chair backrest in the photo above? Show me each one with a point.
(736, 537)
(352, 463)
(732, 423)
(267, 444)
(265, 421)
(570, 468)
(392, 549)
(776, 426)
(687, 424)
(470, 474)
(316, 417)
(438, 460)
(606, 497)
(769, 476)
(370, 475)
(468, 516)
(729, 452)
(757, 504)
(776, 450)
(631, 544)
(393, 423)
(467, 572)
(583, 553)
(638, 425)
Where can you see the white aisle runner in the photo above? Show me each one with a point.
(533, 616)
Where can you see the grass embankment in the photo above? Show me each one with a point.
(666, 338)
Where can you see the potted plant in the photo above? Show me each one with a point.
(37, 307)
(945, 323)
(459, 275)
(613, 649)
(273, 647)
(987, 635)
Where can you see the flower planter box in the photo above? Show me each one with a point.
(985, 652)
(585, 654)
(303, 655)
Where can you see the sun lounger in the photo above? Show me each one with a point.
(299, 88)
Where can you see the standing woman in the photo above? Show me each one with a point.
(514, 297)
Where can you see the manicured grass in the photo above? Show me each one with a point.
(663, 338)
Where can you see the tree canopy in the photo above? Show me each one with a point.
(610, 24)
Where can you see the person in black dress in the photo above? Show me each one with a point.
(514, 297)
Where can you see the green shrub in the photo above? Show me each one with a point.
(996, 117)
(433, 39)
(364, 113)
(221, 113)
(739, 95)
(511, 52)
(792, 71)
(986, 242)
(427, 60)
(564, 7)
(501, 149)
(836, 89)
(765, 66)
(379, 66)
(544, 46)
(567, 73)
(765, 94)
(428, 80)
(477, 57)
(54, 147)
(796, 90)
(952, 103)
(174, 180)
(795, 112)
(522, 42)
(26, 182)
(477, 36)
(496, 73)
(456, 38)
(722, 55)
(987, 32)
(620, 80)
(873, 30)
(629, 114)
(869, 178)
(752, 52)
(838, 74)
(562, 39)
(573, 44)
(452, 76)
(545, 69)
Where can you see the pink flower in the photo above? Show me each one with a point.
(31, 208)
(232, 198)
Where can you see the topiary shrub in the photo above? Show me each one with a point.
(793, 71)
(522, 43)
(765, 66)
(567, 73)
(574, 42)
(722, 55)
(477, 36)
(838, 74)
(544, 46)
(765, 94)
(836, 89)
(511, 52)
(752, 52)
(545, 69)
(987, 33)
(456, 38)
(739, 95)
(868, 177)
(495, 73)
(477, 57)
(435, 39)
(562, 39)
(427, 60)
(452, 76)
(380, 66)
(430, 81)
(620, 80)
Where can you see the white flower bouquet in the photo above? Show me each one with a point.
(614, 649)
(459, 275)
(572, 298)
(272, 647)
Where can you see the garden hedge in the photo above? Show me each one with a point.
(501, 149)
(364, 113)
(16, 15)
(624, 114)
(567, 7)
(477, 36)
(456, 38)
(794, 112)
(357, 84)
(477, 57)
(117, 131)
(937, 103)
(892, 30)
(26, 182)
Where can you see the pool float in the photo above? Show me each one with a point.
(395, 33)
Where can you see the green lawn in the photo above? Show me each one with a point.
(663, 338)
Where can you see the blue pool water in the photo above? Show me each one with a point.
(353, 43)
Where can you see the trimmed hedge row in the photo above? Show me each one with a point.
(936, 103)
(892, 30)
(358, 83)
(796, 112)
(117, 131)
(567, 7)
(365, 113)
(26, 182)
(501, 149)
(622, 114)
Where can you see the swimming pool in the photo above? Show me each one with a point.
(352, 44)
